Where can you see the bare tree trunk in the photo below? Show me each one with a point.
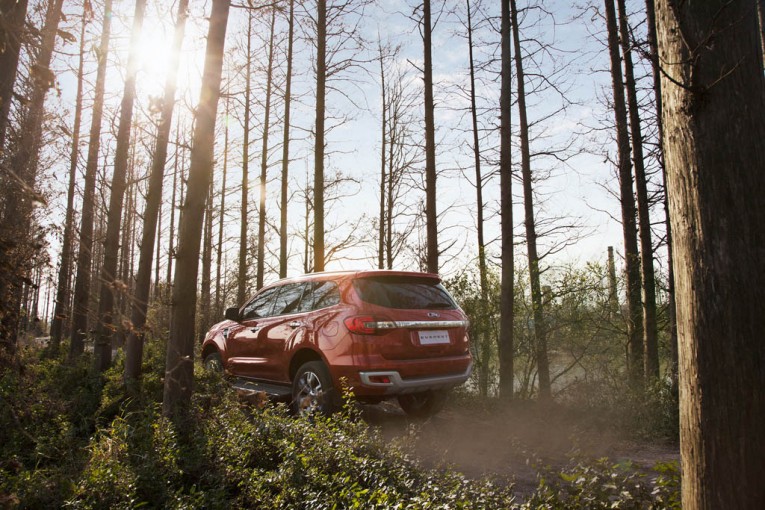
(179, 372)
(157, 254)
(613, 293)
(383, 163)
(221, 217)
(318, 176)
(431, 216)
(671, 306)
(11, 33)
(242, 280)
(627, 199)
(483, 340)
(60, 310)
(171, 238)
(206, 284)
(540, 330)
(286, 147)
(19, 198)
(105, 328)
(80, 301)
(712, 67)
(506, 374)
(761, 16)
(134, 349)
(650, 341)
(264, 157)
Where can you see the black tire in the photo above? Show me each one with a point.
(214, 363)
(312, 390)
(423, 405)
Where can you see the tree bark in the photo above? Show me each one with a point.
(221, 217)
(761, 17)
(206, 284)
(20, 196)
(286, 147)
(627, 199)
(540, 330)
(650, 341)
(179, 371)
(11, 34)
(241, 293)
(507, 312)
(264, 158)
(60, 314)
(671, 306)
(383, 163)
(711, 67)
(173, 206)
(431, 216)
(81, 298)
(318, 176)
(140, 302)
(105, 328)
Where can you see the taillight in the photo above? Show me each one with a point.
(368, 325)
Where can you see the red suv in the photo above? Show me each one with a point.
(381, 333)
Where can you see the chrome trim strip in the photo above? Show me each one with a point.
(431, 324)
(399, 385)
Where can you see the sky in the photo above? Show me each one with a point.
(577, 191)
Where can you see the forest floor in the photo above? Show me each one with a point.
(516, 443)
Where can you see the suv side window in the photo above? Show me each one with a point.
(288, 299)
(319, 295)
(261, 305)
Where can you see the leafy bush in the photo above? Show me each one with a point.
(71, 438)
(602, 485)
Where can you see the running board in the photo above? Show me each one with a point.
(273, 390)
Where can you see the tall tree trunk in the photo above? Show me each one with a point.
(507, 312)
(221, 217)
(179, 372)
(60, 314)
(712, 67)
(206, 284)
(671, 306)
(171, 237)
(80, 301)
(264, 157)
(318, 176)
(11, 34)
(482, 330)
(383, 162)
(627, 199)
(540, 329)
(650, 341)
(431, 216)
(286, 147)
(613, 293)
(20, 196)
(242, 280)
(134, 349)
(761, 16)
(157, 255)
(105, 327)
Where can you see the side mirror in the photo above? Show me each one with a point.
(232, 314)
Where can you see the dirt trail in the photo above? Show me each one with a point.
(515, 443)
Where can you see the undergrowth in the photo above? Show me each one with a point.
(70, 438)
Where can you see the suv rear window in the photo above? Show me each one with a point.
(404, 293)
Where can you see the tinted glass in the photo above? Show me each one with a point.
(261, 305)
(288, 299)
(320, 295)
(404, 293)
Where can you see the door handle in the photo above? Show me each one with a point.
(256, 329)
(295, 324)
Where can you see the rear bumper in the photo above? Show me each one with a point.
(397, 385)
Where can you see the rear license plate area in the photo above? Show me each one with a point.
(438, 337)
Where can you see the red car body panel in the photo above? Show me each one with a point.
(266, 349)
